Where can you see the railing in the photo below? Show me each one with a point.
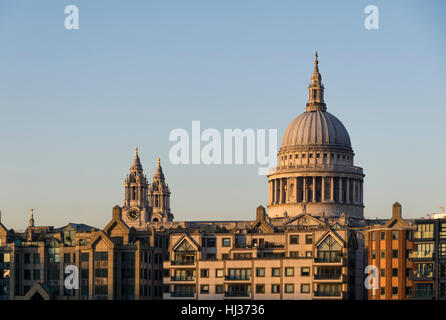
(423, 294)
(182, 278)
(237, 294)
(238, 278)
(182, 262)
(421, 255)
(184, 294)
(419, 235)
(327, 293)
(414, 275)
(328, 259)
(327, 276)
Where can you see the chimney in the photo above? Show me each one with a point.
(117, 212)
(396, 210)
(260, 213)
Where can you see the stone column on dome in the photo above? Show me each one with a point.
(347, 195)
(323, 190)
(341, 200)
(304, 188)
(332, 189)
(314, 189)
(280, 190)
(296, 181)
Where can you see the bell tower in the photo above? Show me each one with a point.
(136, 210)
(159, 197)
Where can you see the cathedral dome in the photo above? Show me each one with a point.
(316, 128)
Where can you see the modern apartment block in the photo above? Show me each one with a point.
(114, 263)
(429, 258)
(387, 248)
(301, 258)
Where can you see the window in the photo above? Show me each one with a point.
(27, 258)
(383, 272)
(305, 288)
(305, 271)
(394, 253)
(394, 290)
(226, 242)
(36, 258)
(219, 288)
(443, 231)
(210, 243)
(383, 291)
(383, 254)
(309, 239)
(275, 272)
(36, 274)
(373, 236)
(66, 258)
(294, 254)
(289, 288)
(204, 273)
(289, 271)
(394, 235)
(394, 272)
(219, 273)
(383, 235)
(27, 274)
(260, 288)
(275, 288)
(204, 288)
(308, 254)
(294, 239)
(373, 254)
(442, 249)
(260, 272)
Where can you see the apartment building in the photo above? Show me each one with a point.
(387, 248)
(116, 263)
(429, 258)
(302, 258)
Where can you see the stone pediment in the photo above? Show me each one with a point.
(305, 220)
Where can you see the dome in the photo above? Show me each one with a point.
(316, 128)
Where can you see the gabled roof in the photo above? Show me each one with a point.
(38, 288)
(330, 233)
(186, 237)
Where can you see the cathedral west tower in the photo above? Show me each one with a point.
(136, 210)
(315, 172)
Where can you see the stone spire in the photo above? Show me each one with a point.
(136, 165)
(31, 220)
(316, 90)
(159, 171)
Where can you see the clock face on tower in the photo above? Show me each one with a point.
(133, 214)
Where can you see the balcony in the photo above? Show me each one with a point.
(418, 276)
(328, 293)
(182, 278)
(421, 255)
(182, 262)
(329, 277)
(423, 235)
(238, 278)
(183, 294)
(330, 259)
(237, 294)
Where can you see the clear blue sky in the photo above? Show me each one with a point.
(74, 104)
